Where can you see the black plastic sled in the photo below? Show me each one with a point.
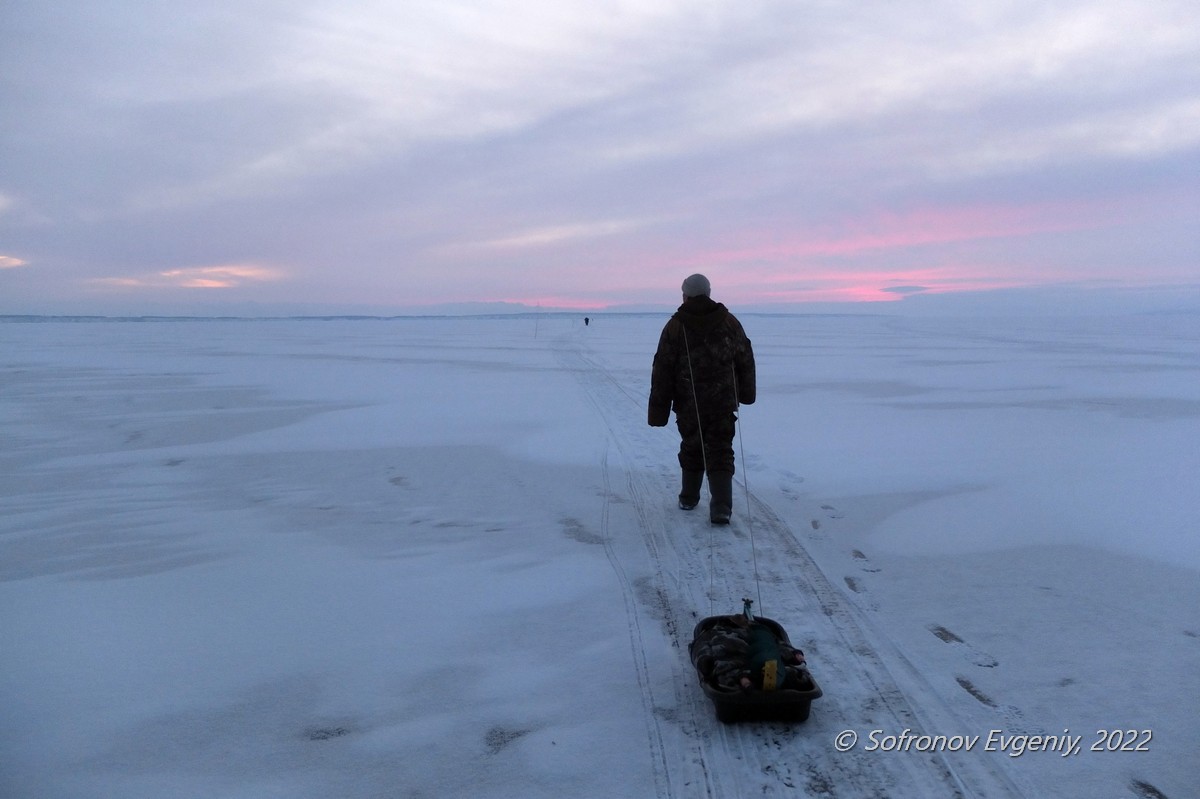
(754, 704)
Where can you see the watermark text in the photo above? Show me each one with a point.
(1064, 744)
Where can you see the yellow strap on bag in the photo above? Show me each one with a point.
(770, 672)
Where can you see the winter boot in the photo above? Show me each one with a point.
(720, 485)
(689, 497)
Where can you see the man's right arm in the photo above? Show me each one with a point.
(662, 382)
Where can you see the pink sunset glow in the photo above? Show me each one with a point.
(890, 232)
(767, 266)
(809, 286)
(870, 286)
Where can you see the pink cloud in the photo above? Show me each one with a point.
(556, 301)
(773, 266)
(869, 285)
(200, 277)
(868, 258)
(892, 231)
(225, 276)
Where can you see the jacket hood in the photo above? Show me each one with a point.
(701, 313)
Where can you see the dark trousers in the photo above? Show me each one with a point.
(706, 442)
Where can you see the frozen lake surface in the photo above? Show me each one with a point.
(437, 557)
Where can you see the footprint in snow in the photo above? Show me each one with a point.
(788, 484)
(971, 653)
(325, 733)
(854, 585)
(858, 555)
(1014, 718)
(979, 695)
(498, 738)
(1146, 790)
(578, 531)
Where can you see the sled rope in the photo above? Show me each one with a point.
(745, 478)
(703, 459)
(746, 486)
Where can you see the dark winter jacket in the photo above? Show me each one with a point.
(703, 358)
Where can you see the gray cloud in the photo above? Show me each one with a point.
(904, 289)
(533, 149)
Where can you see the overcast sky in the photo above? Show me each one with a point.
(591, 154)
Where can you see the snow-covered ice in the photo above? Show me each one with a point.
(441, 557)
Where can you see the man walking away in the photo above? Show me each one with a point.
(703, 369)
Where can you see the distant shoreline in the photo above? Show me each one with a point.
(69, 318)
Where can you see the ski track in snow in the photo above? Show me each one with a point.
(674, 568)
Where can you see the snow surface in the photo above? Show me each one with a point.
(441, 557)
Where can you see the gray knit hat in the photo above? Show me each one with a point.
(696, 285)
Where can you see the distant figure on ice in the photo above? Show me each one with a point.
(586, 321)
(703, 369)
